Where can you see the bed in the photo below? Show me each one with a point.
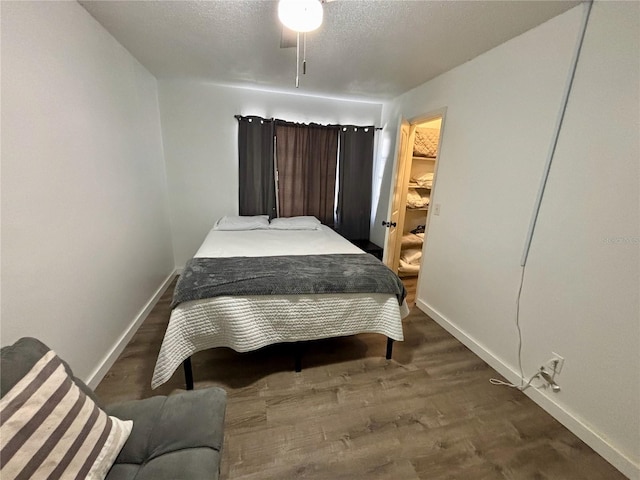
(246, 322)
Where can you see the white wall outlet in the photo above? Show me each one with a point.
(436, 209)
(555, 363)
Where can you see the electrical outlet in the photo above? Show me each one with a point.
(436, 209)
(555, 363)
(549, 378)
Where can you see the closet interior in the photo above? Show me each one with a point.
(418, 185)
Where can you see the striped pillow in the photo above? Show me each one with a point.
(51, 429)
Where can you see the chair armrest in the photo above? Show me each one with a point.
(162, 425)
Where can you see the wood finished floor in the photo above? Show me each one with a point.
(430, 413)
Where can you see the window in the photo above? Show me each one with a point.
(300, 178)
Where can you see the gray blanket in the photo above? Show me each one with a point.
(285, 275)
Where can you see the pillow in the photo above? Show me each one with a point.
(425, 143)
(257, 222)
(51, 429)
(295, 223)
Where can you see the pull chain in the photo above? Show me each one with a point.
(298, 59)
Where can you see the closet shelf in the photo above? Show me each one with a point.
(421, 209)
(430, 159)
(415, 185)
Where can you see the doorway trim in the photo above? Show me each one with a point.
(439, 113)
(413, 122)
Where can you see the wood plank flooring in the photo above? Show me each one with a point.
(430, 413)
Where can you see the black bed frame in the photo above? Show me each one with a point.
(188, 372)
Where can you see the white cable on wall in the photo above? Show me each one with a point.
(543, 183)
(556, 132)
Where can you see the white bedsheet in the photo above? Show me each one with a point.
(266, 243)
(246, 323)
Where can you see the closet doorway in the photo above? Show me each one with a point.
(416, 165)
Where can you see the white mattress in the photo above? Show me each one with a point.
(246, 323)
(265, 243)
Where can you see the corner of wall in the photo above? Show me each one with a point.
(112, 355)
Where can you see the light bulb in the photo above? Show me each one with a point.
(300, 15)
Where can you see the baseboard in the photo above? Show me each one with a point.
(109, 359)
(565, 417)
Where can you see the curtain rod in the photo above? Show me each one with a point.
(251, 117)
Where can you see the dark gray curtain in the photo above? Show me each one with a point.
(353, 211)
(256, 175)
(306, 157)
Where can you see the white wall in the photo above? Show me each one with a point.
(200, 137)
(580, 296)
(86, 240)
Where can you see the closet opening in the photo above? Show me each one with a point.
(416, 166)
(419, 186)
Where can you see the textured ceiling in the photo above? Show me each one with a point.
(365, 49)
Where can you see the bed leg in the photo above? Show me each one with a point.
(389, 347)
(297, 353)
(188, 373)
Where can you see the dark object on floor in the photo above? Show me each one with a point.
(369, 247)
(179, 436)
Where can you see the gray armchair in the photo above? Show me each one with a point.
(179, 436)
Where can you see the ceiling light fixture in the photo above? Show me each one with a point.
(301, 16)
